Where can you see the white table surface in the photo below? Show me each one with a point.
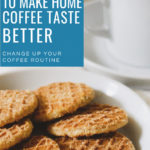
(142, 93)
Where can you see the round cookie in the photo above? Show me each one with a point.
(15, 134)
(112, 141)
(58, 99)
(15, 105)
(40, 143)
(90, 120)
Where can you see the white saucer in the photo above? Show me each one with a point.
(98, 58)
(107, 91)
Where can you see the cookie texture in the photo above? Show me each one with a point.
(90, 120)
(112, 141)
(58, 99)
(15, 105)
(15, 134)
(40, 143)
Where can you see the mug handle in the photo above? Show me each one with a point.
(103, 30)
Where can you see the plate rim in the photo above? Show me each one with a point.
(28, 69)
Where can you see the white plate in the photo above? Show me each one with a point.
(114, 93)
(99, 59)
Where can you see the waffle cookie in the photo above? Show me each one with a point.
(40, 143)
(90, 120)
(15, 134)
(15, 105)
(112, 141)
(58, 99)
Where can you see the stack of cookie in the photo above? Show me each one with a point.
(15, 107)
(73, 122)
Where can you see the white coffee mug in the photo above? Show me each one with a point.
(126, 25)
